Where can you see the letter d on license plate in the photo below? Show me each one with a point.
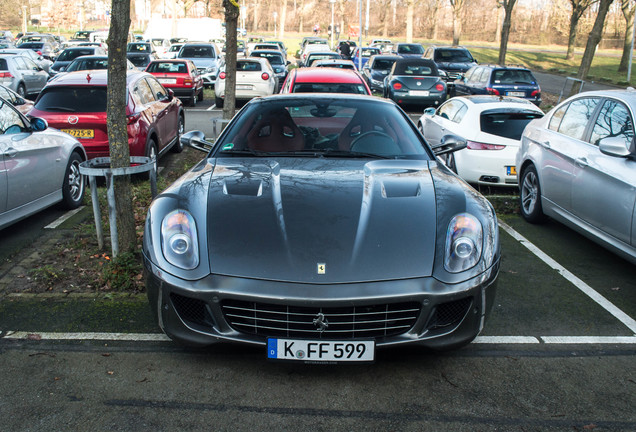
(321, 350)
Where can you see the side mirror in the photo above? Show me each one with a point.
(449, 144)
(170, 94)
(196, 140)
(429, 111)
(38, 124)
(614, 146)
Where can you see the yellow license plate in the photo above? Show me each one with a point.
(80, 133)
(511, 170)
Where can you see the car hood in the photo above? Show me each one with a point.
(201, 62)
(463, 67)
(321, 221)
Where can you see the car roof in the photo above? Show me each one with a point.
(97, 77)
(267, 51)
(327, 75)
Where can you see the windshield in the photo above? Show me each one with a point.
(273, 58)
(410, 49)
(196, 52)
(381, 64)
(72, 54)
(91, 63)
(322, 127)
(453, 56)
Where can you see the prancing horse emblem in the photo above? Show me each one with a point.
(321, 322)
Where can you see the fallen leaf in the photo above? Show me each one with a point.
(143, 380)
(34, 336)
(616, 288)
(106, 355)
(110, 372)
(589, 427)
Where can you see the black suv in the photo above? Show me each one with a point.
(454, 60)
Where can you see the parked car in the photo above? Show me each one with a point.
(40, 38)
(43, 49)
(492, 127)
(453, 60)
(161, 47)
(380, 41)
(315, 56)
(324, 80)
(206, 58)
(281, 46)
(40, 167)
(310, 40)
(499, 81)
(180, 76)
(310, 48)
(408, 50)
(399, 250)
(92, 62)
(44, 63)
(174, 50)
(254, 77)
(275, 58)
(334, 63)
(577, 165)
(23, 105)
(376, 69)
(69, 54)
(366, 53)
(21, 75)
(415, 81)
(76, 104)
(265, 46)
(141, 54)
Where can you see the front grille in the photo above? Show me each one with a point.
(192, 310)
(449, 314)
(272, 320)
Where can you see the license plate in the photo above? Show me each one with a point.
(511, 170)
(517, 94)
(244, 87)
(167, 80)
(80, 133)
(321, 350)
(419, 93)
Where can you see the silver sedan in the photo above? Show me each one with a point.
(578, 165)
(39, 167)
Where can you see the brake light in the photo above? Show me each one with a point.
(222, 75)
(187, 82)
(536, 93)
(482, 146)
(492, 91)
(133, 118)
(397, 85)
(265, 76)
(439, 87)
(6, 75)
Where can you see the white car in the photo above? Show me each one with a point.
(492, 127)
(312, 48)
(173, 50)
(254, 77)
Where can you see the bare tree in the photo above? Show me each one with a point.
(231, 20)
(116, 121)
(457, 6)
(628, 7)
(508, 5)
(594, 38)
(578, 8)
(409, 20)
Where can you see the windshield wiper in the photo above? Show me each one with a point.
(59, 108)
(354, 154)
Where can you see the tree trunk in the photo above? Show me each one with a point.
(116, 121)
(457, 6)
(593, 39)
(436, 7)
(231, 19)
(255, 18)
(628, 14)
(409, 21)
(300, 17)
(283, 17)
(574, 22)
(508, 5)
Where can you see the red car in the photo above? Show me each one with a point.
(76, 104)
(180, 76)
(324, 80)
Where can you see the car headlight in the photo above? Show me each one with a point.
(464, 239)
(210, 70)
(179, 240)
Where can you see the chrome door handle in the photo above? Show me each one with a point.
(10, 152)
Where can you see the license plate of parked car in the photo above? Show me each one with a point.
(80, 133)
(419, 93)
(321, 350)
(511, 170)
(167, 80)
(244, 87)
(517, 94)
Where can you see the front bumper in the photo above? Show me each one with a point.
(202, 312)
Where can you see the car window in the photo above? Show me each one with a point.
(30, 65)
(555, 121)
(19, 63)
(453, 55)
(68, 55)
(72, 99)
(329, 88)
(143, 92)
(10, 120)
(84, 64)
(512, 77)
(449, 109)
(577, 117)
(158, 91)
(484, 78)
(383, 64)
(273, 58)
(167, 67)
(461, 112)
(470, 73)
(197, 52)
(248, 66)
(7, 95)
(3, 65)
(506, 123)
(614, 120)
(476, 76)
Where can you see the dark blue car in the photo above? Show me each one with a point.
(499, 81)
(376, 69)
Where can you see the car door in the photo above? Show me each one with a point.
(441, 123)
(604, 186)
(39, 76)
(166, 112)
(3, 175)
(30, 160)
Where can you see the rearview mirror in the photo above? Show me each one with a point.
(614, 146)
(449, 144)
(196, 140)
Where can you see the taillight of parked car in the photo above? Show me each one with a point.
(6, 75)
(397, 85)
(536, 93)
(472, 145)
(492, 91)
(187, 81)
(439, 87)
(265, 76)
(222, 75)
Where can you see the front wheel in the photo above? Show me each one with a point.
(530, 196)
(21, 91)
(73, 186)
(178, 146)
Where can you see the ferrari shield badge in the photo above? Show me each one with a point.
(322, 268)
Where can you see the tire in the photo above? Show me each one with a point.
(151, 149)
(219, 102)
(21, 91)
(200, 95)
(178, 146)
(192, 101)
(530, 196)
(73, 185)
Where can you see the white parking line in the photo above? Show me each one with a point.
(212, 107)
(143, 337)
(628, 321)
(59, 221)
